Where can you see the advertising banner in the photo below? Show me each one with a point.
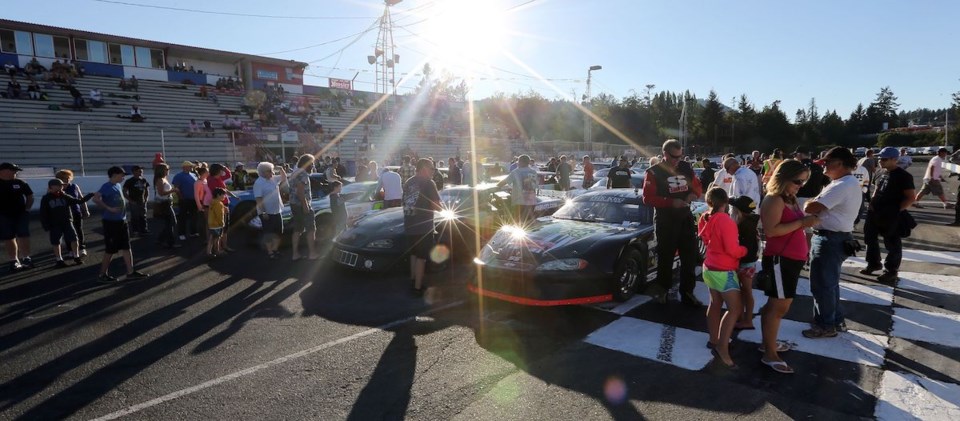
(341, 84)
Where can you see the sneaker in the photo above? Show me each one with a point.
(870, 269)
(842, 327)
(137, 275)
(107, 279)
(78, 260)
(15, 266)
(83, 252)
(818, 332)
(690, 300)
(888, 277)
(183, 238)
(60, 264)
(27, 262)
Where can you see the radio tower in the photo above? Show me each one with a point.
(385, 58)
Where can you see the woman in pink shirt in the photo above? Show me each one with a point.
(202, 194)
(720, 236)
(783, 255)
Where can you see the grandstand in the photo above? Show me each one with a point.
(34, 134)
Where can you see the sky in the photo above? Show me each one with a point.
(839, 52)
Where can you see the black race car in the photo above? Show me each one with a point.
(598, 247)
(376, 241)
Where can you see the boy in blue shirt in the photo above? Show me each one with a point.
(116, 233)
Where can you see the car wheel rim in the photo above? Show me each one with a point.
(628, 279)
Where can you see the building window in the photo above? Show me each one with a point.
(150, 57)
(95, 51)
(122, 55)
(16, 42)
(52, 46)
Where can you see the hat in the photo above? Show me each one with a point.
(115, 170)
(187, 164)
(802, 149)
(744, 204)
(9, 166)
(54, 182)
(889, 152)
(239, 164)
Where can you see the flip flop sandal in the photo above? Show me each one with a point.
(781, 347)
(778, 366)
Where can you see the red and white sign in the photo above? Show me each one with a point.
(341, 84)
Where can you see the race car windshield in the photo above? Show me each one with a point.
(590, 211)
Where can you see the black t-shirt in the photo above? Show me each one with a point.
(13, 197)
(890, 192)
(749, 237)
(420, 199)
(707, 177)
(816, 181)
(619, 178)
(136, 187)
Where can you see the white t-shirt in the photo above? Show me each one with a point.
(843, 198)
(724, 180)
(270, 192)
(934, 169)
(745, 183)
(392, 185)
(863, 176)
(524, 183)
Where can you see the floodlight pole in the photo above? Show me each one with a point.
(587, 124)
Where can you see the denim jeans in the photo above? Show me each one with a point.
(826, 256)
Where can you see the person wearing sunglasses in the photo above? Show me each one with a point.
(669, 187)
(894, 195)
(837, 206)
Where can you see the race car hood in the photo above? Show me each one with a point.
(553, 238)
(373, 225)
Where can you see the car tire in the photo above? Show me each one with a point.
(629, 274)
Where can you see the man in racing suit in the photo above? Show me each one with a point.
(669, 187)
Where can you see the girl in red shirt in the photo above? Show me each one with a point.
(719, 234)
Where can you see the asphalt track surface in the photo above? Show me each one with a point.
(243, 337)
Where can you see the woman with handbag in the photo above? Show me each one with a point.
(163, 208)
(784, 255)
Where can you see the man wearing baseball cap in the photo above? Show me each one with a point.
(895, 193)
(16, 199)
(188, 206)
(116, 233)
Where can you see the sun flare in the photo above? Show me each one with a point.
(465, 34)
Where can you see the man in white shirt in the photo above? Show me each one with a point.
(837, 205)
(266, 190)
(724, 179)
(392, 187)
(96, 97)
(745, 181)
(933, 179)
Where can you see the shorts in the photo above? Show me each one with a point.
(273, 224)
(301, 219)
(747, 270)
(216, 232)
(721, 280)
(420, 245)
(62, 231)
(934, 187)
(785, 276)
(14, 226)
(116, 236)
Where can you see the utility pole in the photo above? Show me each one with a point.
(587, 123)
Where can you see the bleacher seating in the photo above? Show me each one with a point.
(33, 135)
